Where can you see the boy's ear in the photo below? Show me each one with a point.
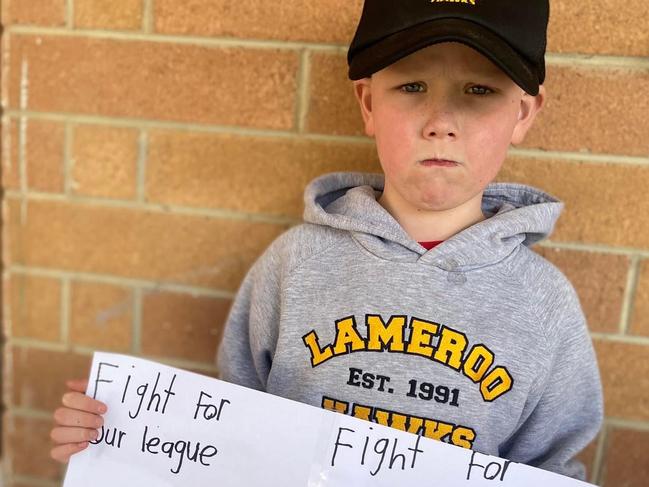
(363, 92)
(530, 106)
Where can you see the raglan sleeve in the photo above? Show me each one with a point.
(564, 411)
(245, 353)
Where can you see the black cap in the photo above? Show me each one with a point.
(511, 33)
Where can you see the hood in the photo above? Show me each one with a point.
(516, 215)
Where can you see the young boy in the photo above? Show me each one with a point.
(412, 299)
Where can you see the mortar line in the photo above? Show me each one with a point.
(624, 339)
(185, 127)
(560, 59)
(68, 161)
(598, 461)
(258, 132)
(36, 344)
(580, 156)
(161, 208)
(147, 16)
(66, 292)
(136, 345)
(32, 413)
(143, 150)
(303, 91)
(147, 287)
(621, 423)
(212, 41)
(597, 60)
(69, 24)
(597, 248)
(629, 295)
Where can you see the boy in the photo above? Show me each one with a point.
(412, 299)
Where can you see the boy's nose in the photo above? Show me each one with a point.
(440, 123)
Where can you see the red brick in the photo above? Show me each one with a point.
(182, 326)
(101, 316)
(640, 316)
(35, 307)
(598, 110)
(43, 147)
(27, 445)
(49, 13)
(108, 14)
(626, 462)
(599, 27)
(600, 280)
(333, 108)
(598, 197)
(154, 80)
(104, 161)
(37, 377)
(252, 174)
(625, 377)
(333, 21)
(168, 247)
(10, 158)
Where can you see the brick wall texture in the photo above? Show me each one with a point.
(151, 149)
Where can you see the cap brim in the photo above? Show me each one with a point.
(389, 50)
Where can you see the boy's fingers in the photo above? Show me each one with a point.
(64, 452)
(77, 385)
(73, 417)
(66, 435)
(77, 400)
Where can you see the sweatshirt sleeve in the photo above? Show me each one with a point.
(564, 411)
(246, 351)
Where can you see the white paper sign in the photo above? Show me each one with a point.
(167, 427)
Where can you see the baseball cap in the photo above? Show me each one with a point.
(511, 33)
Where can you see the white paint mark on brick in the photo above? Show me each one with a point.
(22, 136)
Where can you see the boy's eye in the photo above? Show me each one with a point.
(413, 88)
(480, 90)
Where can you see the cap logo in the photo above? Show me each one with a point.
(470, 2)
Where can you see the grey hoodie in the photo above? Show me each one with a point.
(479, 342)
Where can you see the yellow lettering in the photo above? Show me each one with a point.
(410, 424)
(347, 336)
(381, 336)
(478, 362)
(361, 412)
(335, 405)
(497, 383)
(463, 437)
(382, 417)
(421, 336)
(318, 355)
(451, 346)
(437, 430)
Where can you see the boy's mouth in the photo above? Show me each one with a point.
(439, 163)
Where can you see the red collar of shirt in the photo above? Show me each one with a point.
(430, 245)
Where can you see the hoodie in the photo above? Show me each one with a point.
(478, 342)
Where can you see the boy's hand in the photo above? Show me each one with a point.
(76, 422)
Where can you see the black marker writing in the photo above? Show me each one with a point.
(376, 451)
(493, 471)
(184, 449)
(209, 411)
(98, 379)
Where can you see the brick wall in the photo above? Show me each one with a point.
(151, 149)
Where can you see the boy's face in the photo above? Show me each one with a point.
(446, 101)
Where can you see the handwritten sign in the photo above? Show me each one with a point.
(168, 427)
